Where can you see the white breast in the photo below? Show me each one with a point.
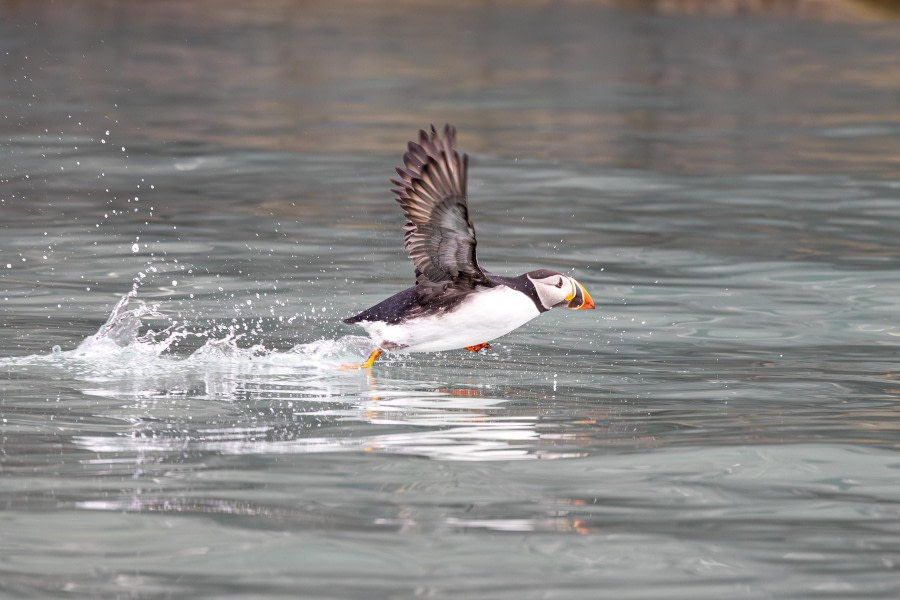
(482, 317)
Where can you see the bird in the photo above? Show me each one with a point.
(455, 303)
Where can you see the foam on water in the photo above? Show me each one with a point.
(125, 344)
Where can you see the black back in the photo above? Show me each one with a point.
(392, 310)
(409, 304)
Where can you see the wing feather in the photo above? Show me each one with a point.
(438, 235)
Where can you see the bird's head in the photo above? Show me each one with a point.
(555, 289)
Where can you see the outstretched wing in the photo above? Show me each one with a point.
(439, 235)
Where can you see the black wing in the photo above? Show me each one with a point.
(439, 235)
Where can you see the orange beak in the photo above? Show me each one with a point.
(579, 299)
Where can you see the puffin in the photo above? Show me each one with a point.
(455, 303)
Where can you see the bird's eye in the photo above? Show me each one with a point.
(559, 283)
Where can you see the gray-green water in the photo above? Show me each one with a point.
(727, 188)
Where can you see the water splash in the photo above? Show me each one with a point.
(122, 330)
(124, 343)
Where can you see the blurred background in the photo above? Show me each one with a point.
(689, 86)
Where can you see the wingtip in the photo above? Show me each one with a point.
(448, 132)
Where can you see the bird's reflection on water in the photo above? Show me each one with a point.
(291, 414)
(167, 464)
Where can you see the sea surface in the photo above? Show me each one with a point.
(193, 195)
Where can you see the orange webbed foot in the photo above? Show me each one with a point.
(479, 347)
(365, 365)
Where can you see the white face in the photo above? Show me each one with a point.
(553, 289)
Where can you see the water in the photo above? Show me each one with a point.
(172, 419)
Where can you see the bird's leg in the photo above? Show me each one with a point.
(368, 364)
(479, 347)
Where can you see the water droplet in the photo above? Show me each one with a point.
(135, 248)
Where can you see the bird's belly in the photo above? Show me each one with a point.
(482, 317)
